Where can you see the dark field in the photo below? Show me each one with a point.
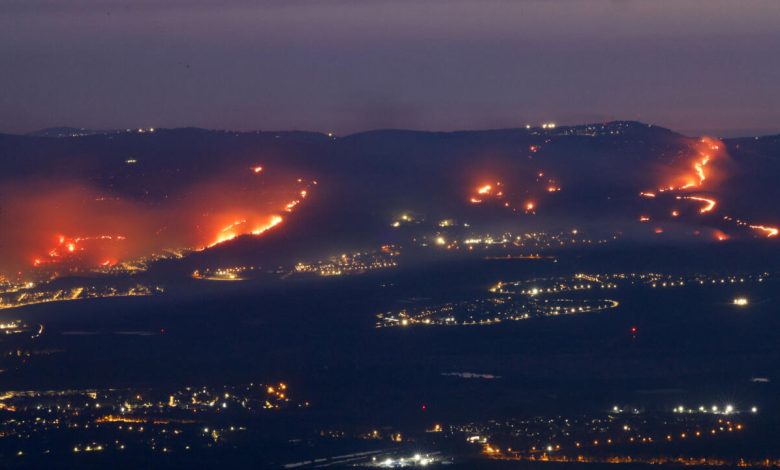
(691, 345)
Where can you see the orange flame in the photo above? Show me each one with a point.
(709, 204)
(770, 231)
(485, 189)
(235, 229)
(275, 220)
(699, 165)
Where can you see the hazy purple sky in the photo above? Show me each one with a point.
(349, 65)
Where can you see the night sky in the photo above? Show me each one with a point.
(708, 66)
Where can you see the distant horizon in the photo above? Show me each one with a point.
(346, 66)
(726, 134)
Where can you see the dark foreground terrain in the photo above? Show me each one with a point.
(454, 392)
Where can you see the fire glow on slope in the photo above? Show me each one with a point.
(255, 223)
(68, 246)
(525, 201)
(485, 191)
(695, 176)
(769, 231)
(52, 228)
(709, 204)
(240, 227)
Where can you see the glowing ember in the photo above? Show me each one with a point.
(485, 189)
(720, 236)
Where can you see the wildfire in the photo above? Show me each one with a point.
(485, 189)
(226, 234)
(709, 204)
(66, 246)
(233, 225)
(699, 169)
(770, 231)
(697, 175)
(275, 220)
(524, 201)
(237, 228)
(71, 227)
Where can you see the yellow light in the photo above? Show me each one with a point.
(485, 189)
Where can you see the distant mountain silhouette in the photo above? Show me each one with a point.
(591, 176)
(64, 131)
